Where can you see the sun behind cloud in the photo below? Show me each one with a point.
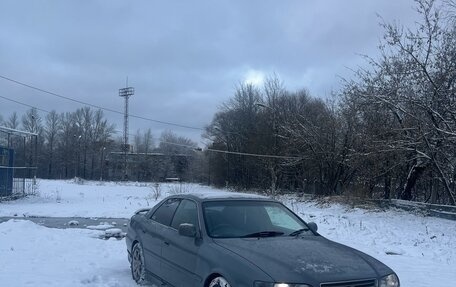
(254, 77)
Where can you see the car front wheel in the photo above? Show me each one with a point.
(138, 270)
(219, 282)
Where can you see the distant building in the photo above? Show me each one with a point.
(154, 166)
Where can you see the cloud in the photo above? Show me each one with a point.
(184, 58)
(254, 77)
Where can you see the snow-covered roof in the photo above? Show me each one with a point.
(224, 195)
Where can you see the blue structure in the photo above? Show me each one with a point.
(17, 148)
(6, 171)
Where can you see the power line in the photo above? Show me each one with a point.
(111, 110)
(114, 131)
(46, 111)
(139, 117)
(224, 151)
(254, 154)
(20, 103)
(97, 106)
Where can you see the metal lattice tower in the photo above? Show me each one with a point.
(126, 93)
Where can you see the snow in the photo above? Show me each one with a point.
(32, 255)
(101, 226)
(422, 250)
(59, 198)
(225, 194)
(113, 232)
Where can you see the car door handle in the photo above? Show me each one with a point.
(166, 243)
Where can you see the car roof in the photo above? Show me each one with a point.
(222, 195)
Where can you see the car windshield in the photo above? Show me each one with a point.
(238, 218)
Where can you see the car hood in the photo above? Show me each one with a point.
(307, 259)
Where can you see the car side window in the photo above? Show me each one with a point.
(165, 212)
(186, 213)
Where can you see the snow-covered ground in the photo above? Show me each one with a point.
(90, 199)
(422, 250)
(33, 255)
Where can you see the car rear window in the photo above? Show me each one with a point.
(165, 212)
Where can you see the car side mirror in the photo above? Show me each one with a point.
(187, 229)
(313, 226)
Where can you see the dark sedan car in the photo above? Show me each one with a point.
(232, 239)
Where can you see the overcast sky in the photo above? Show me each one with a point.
(184, 58)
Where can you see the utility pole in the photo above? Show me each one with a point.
(101, 163)
(126, 93)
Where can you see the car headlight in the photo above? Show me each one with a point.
(389, 281)
(268, 284)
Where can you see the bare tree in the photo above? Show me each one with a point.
(178, 153)
(13, 121)
(51, 132)
(68, 145)
(144, 143)
(406, 104)
(32, 122)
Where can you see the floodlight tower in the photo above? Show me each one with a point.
(126, 93)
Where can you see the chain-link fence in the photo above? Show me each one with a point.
(17, 182)
(18, 161)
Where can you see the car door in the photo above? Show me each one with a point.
(180, 253)
(152, 232)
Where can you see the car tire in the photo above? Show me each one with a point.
(219, 282)
(138, 269)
